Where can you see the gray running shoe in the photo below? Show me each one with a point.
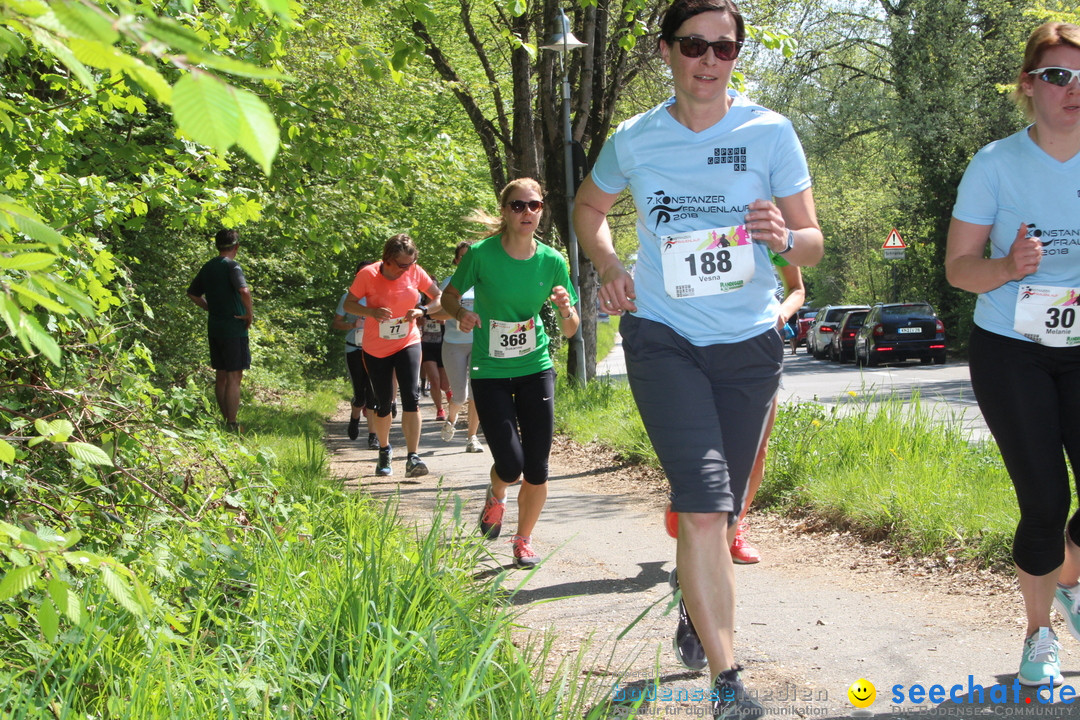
(474, 446)
(414, 466)
(687, 644)
(383, 466)
(730, 700)
(447, 432)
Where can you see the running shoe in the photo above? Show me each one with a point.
(441, 414)
(447, 432)
(386, 454)
(491, 516)
(524, 557)
(742, 552)
(1067, 603)
(474, 446)
(687, 644)
(372, 441)
(671, 522)
(1040, 664)
(354, 428)
(731, 701)
(414, 466)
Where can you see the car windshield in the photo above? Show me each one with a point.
(908, 311)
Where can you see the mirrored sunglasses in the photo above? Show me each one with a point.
(695, 47)
(518, 206)
(1055, 75)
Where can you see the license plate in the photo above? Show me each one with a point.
(909, 330)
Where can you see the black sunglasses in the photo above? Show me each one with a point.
(695, 47)
(1055, 75)
(518, 206)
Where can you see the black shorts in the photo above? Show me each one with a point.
(405, 364)
(359, 377)
(518, 417)
(432, 352)
(229, 354)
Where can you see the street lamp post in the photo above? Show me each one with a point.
(562, 42)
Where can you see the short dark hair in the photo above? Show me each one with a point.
(682, 10)
(363, 264)
(226, 239)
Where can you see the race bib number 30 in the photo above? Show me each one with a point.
(707, 262)
(1048, 314)
(394, 328)
(511, 339)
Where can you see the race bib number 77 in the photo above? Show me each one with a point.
(707, 262)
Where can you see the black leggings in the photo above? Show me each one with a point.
(1029, 396)
(518, 417)
(361, 388)
(406, 363)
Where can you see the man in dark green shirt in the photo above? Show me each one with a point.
(221, 290)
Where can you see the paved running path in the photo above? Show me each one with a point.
(806, 629)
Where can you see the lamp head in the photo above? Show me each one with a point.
(562, 40)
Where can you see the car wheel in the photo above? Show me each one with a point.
(939, 359)
(871, 359)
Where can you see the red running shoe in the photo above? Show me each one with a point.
(491, 516)
(742, 552)
(524, 557)
(671, 521)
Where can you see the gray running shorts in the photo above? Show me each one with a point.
(704, 408)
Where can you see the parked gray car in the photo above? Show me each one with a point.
(822, 330)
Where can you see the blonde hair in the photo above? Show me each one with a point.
(497, 225)
(1044, 37)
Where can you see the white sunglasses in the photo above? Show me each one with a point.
(1055, 75)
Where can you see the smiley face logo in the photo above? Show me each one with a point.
(862, 693)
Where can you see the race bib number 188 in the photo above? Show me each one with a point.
(707, 262)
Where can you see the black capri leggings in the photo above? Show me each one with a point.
(406, 363)
(518, 417)
(361, 388)
(1029, 395)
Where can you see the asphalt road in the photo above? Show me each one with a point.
(810, 620)
(943, 390)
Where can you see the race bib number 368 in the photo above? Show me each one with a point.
(511, 339)
(707, 262)
(1048, 315)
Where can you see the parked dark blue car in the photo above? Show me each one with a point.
(900, 331)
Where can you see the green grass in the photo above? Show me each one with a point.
(290, 598)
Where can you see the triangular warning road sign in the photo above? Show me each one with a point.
(894, 241)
